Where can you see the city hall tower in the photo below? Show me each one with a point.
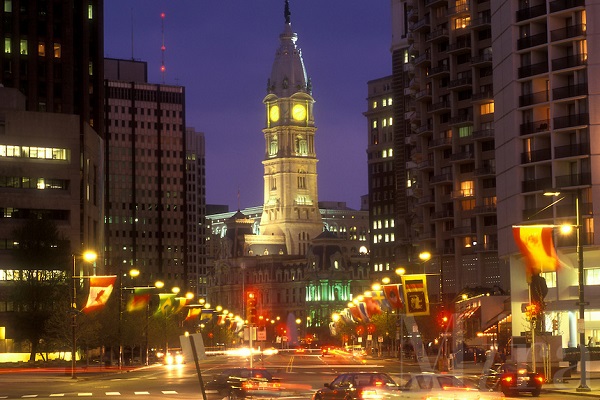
(291, 214)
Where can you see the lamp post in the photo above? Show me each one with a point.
(583, 387)
(132, 273)
(88, 256)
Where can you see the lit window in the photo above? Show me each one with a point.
(41, 184)
(384, 122)
(466, 188)
(7, 5)
(390, 152)
(374, 104)
(90, 12)
(7, 46)
(23, 47)
(461, 23)
(374, 124)
(384, 154)
(390, 101)
(465, 131)
(41, 49)
(390, 120)
(384, 102)
(487, 108)
(57, 50)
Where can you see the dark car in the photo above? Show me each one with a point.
(359, 386)
(512, 379)
(239, 383)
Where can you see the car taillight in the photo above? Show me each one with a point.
(539, 378)
(507, 379)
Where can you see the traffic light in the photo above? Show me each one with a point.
(531, 311)
(554, 324)
(443, 319)
(251, 315)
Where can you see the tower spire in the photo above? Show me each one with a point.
(287, 12)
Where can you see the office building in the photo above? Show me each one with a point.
(146, 226)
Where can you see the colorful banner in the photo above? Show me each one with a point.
(100, 289)
(415, 294)
(140, 299)
(193, 312)
(393, 296)
(537, 247)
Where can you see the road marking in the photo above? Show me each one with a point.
(169, 392)
(84, 394)
(113, 393)
(141, 392)
(57, 395)
(27, 396)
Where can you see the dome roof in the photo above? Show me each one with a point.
(288, 75)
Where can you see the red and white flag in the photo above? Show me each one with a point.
(100, 290)
(392, 294)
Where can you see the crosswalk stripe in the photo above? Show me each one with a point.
(28, 396)
(141, 392)
(84, 394)
(169, 392)
(113, 393)
(57, 395)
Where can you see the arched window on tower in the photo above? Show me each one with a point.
(301, 145)
(273, 146)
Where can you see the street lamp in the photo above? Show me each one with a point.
(88, 256)
(583, 387)
(132, 273)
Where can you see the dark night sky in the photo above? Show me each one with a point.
(222, 52)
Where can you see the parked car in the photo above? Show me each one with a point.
(443, 386)
(512, 379)
(359, 386)
(239, 383)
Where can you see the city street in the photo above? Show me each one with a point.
(303, 372)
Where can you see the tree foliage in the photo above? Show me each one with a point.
(42, 258)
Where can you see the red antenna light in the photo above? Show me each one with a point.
(163, 69)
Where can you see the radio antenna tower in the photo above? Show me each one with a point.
(163, 69)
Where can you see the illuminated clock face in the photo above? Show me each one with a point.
(299, 112)
(274, 113)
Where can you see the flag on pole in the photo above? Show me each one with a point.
(356, 315)
(100, 290)
(167, 303)
(362, 308)
(379, 297)
(537, 247)
(140, 299)
(415, 294)
(206, 314)
(392, 294)
(372, 307)
(193, 312)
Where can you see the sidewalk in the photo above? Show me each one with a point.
(557, 385)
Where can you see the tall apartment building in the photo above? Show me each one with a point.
(546, 97)
(146, 175)
(444, 142)
(382, 176)
(196, 213)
